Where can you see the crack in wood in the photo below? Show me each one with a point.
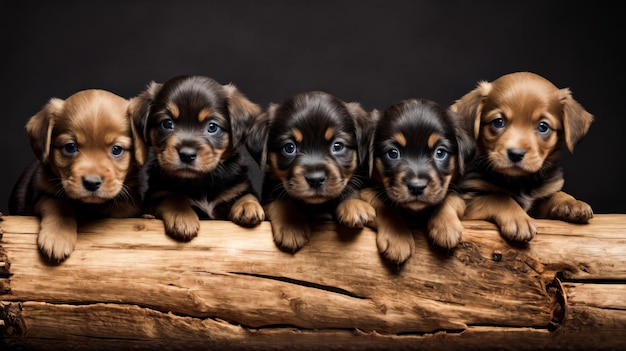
(304, 283)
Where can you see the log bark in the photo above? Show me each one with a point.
(129, 286)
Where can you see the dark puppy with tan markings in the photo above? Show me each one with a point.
(520, 121)
(419, 152)
(195, 126)
(316, 147)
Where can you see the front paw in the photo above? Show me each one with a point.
(56, 245)
(247, 211)
(445, 233)
(517, 228)
(290, 238)
(355, 213)
(181, 226)
(394, 245)
(572, 210)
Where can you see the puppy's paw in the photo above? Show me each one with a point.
(572, 210)
(181, 226)
(247, 211)
(394, 245)
(445, 232)
(517, 228)
(56, 244)
(355, 213)
(290, 238)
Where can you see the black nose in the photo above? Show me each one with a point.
(417, 185)
(316, 179)
(92, 183)
(516, 155)
(187, 154)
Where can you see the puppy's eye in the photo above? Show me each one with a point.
(393, 154)
(543, 128)
(213, 128)
(441, 153)
(70, 148)
(337, 147)
(289, 149)
(498, 123)
(117, 150)
(167, 123)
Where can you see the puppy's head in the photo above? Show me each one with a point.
(314, 144)
(192, 123)
(88, 143)
(520, 120)
(418, 150)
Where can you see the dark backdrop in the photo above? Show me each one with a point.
(373, 52)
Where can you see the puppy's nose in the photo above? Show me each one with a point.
(92, 183)
(187, 154)
(417, 185)
(516, 155)
(315, 179)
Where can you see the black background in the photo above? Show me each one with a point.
(373, 52)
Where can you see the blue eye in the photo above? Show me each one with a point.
(338, 147)
(543, 128)
(498, 123)
(117, 150)
(441, 153)
(289, 149)
(70, 148)
(213, 128)
(167, 123)
(393, 154)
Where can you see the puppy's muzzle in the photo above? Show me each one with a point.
(417, 185)
(316, 178)
(188, 154)
(516, 155)
(92, 183)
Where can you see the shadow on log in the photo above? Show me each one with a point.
(129, 286)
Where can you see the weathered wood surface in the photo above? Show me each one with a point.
(127, 285)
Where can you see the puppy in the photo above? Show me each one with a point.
(88, 167)
(520, 121)
(316, 148)
(419, 152)
(194, 127)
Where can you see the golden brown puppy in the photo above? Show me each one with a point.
(419, 152)
(316, 147)
(520, 121)
(88, 167)
(195, 126)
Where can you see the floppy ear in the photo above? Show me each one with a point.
(39, 128)
(256, 140)
(465, 142)
(365, 125)
(576, 120)
(469, 108)
(243, 114)
(138, 111)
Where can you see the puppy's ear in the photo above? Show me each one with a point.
(138, 111)
(576, 120)
(365, 125)
(243, 114)
(469, 108)
(39, 128)
(256, 140)
(465, 142)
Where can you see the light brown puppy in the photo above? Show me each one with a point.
(88, 167)
(520, 121)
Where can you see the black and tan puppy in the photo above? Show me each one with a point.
(419, 153)
(520, 121)
(316, 148)
(194, 127)
(88, 167)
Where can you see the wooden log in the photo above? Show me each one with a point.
(128, 286)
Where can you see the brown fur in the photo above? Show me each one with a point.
(86, 167)
(520, 121)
